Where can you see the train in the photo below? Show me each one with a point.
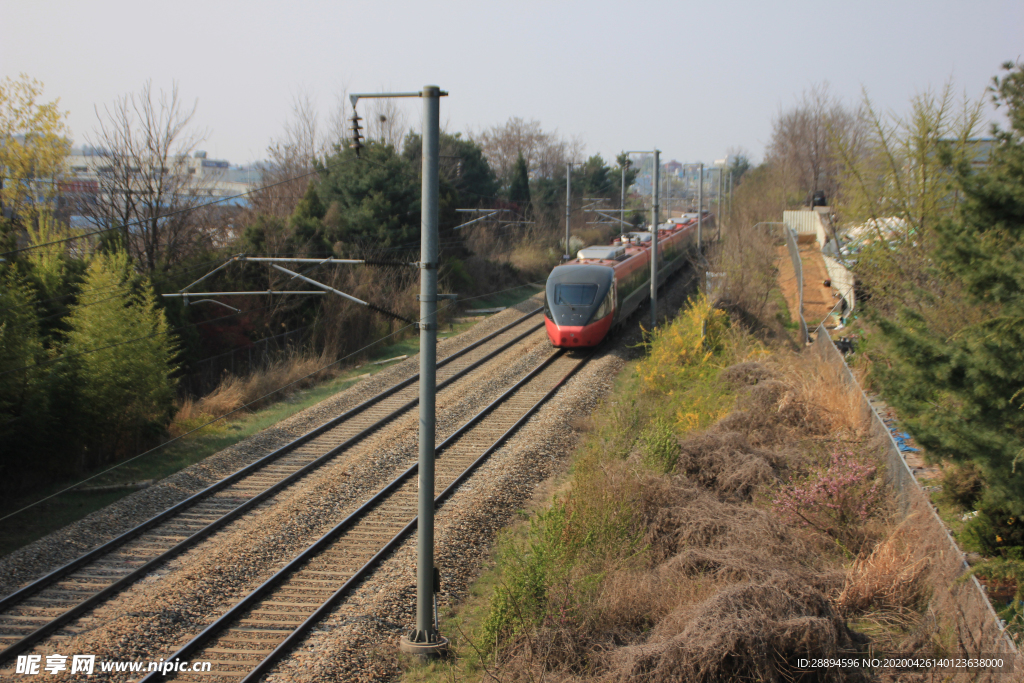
(588, 297)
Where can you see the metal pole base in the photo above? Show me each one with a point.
(416, 643)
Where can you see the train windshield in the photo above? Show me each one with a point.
(575, 295)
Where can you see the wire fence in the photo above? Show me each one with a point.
(259, 355)
(963, 602)
(794, 256)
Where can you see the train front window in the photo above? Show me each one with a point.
(575, 295)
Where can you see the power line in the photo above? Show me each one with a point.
(254, 401)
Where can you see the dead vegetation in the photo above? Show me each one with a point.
(702, 573)
(297, 372)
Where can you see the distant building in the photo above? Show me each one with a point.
(86, 166)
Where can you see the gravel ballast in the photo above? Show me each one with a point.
(358, 641)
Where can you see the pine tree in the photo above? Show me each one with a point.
(122, 354)
(519, 188)
(962, 395)
(23, 395)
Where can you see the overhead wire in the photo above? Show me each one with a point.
(142, 338)
(242, 407)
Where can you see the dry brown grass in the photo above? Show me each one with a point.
(888, 579)
(727, 589)
(745, 631)
(726, 463)
(236, 392)
(797, 397)
(534, 262)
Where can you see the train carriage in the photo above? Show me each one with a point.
(589, 296)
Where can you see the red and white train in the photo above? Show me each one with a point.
(588, 297)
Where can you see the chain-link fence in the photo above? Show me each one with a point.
(963, 603)
(794, 256)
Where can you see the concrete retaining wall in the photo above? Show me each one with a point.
(842, 280)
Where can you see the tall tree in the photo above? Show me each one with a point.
(593, 178)
(519, 186)
(898, 180)
(462, 165)
(962, 393)
(373, 201)
(24, 408)
(804, 140)
(33, 145)
(125, 389)
(148, 188)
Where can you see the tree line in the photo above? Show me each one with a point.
(90, 352)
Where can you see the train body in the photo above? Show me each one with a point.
(588, 297)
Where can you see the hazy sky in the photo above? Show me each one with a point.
(693, 78)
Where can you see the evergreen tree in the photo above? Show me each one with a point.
(519, 187)
(125, 391)
(962, 394)
(23, 396)
(593, 179)
(307, 224)
(372, 200)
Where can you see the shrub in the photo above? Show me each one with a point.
(994, 532)
(835, 497)
(962, 484)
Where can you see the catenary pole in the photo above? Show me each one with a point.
(428, 365)
(700, 206)
(568, 207)
(730, 200)
(718, 218)
(654, 243)
(424, 640)
(622, 202)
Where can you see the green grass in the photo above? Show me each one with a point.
(591, 516)
(506, 299)
(783, 315)
(57, 512)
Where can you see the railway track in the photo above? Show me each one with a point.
(248, 639)
(40, 609)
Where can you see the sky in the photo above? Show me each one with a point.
(694, 79)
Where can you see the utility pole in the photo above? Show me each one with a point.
(730, 199)
(654, 232)
(622, 203)
(700, 205)
(425, 639)
(568, 207)
(718, 218)
(654, 245)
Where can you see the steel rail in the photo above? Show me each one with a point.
(98, 597)
(222, 622)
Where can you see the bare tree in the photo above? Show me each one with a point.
(386, 122)
(148, 187)
(292, 158)
(805, 140)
